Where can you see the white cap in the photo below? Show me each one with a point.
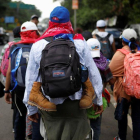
(27, 26)
(94, 47)
(129, 33)
(100, 23)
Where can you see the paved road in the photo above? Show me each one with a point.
(109, 124)
(5, 116)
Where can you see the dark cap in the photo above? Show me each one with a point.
(34, 16)
(16, 32)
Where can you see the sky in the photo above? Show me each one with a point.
(45, 6)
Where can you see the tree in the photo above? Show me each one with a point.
(3, 6)
(22, 14)
(90, 11)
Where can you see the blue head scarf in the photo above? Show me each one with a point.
(129, 43)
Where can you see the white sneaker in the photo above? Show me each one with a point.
(117, 138)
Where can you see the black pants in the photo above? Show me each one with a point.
(122, 125)
(20, 119)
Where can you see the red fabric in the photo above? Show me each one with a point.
(78, 36)
(57, 28)
(106, 95)
(28, 37)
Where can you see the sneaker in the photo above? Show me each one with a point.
(29, 137)
(117, 138)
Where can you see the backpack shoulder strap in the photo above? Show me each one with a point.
(124, 51)
(97, 36)
(11, 43)
(13, 71)
(108, 35)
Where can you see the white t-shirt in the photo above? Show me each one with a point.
(104, 34)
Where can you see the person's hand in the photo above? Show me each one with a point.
(8, 98)
(34, 118)
(98, 109)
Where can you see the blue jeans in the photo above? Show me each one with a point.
(96, 126)
(36, 131)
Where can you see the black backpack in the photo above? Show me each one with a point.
(60, 69)
(105, 46)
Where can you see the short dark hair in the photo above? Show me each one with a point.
(16, 32)
(78, 30)
(101, 27)
(87, 34)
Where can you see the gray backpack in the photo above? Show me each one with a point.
(106, 47)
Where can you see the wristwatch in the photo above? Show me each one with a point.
(6, 91)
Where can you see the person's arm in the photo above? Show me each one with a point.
(113, 46)
(95, 79)
(94, 36)
(112, 81)
(94, 75)
(7, 96)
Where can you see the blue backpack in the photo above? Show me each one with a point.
(19, 61)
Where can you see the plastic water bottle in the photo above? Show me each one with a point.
(84, 73)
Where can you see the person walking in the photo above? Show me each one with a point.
(107, 40)
(4, 61)
(15, 82)
(63, 118)
(125, 97)
(34, 19)
(102, 64)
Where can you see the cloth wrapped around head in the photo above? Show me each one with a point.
(29, 33)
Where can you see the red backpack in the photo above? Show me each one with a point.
(5, 60)
(131, 78)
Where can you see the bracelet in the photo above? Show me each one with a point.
(6, 91)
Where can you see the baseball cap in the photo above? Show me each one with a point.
(129, 33)
(34, 16)
(100, 23)
(60, 14)
(94, 47)
(27, 26)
